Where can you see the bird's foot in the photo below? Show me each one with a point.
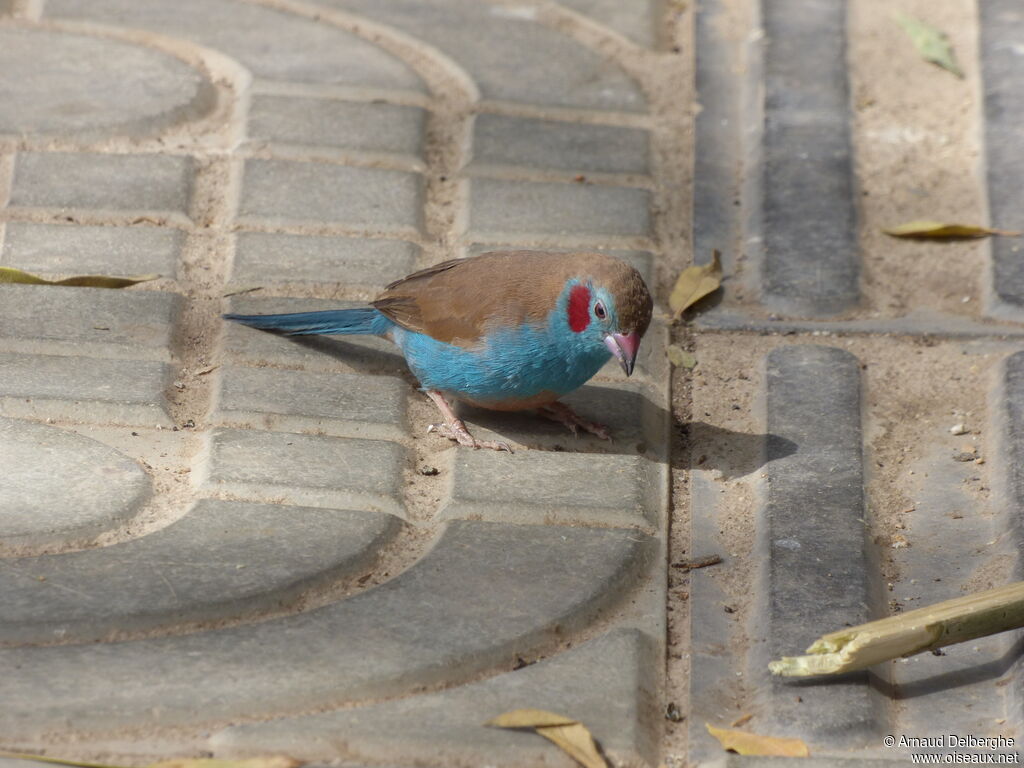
(564, 414)
(457, 431)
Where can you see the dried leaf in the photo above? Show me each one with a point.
(931, 43)
(569, 735)
(529, 718)
(52, 760)
(695, 283)
(12, 275)
(926, 230)
(680, 358)
(272, 761)
(744, 743)
(575, 740)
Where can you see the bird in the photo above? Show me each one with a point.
(503, 330)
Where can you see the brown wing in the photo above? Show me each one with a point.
(458, 301)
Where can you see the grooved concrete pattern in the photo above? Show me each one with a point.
(216, 541)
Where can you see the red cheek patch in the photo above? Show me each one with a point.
(579, 308)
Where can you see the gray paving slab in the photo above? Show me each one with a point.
(507, 55)
(640, 21)
(222, 560)
(76, 250)
(362, 126)
(811, 259)
(340, 404)
(609, 683)
(62, 386)
(612, 489)
(315, 470)
(485, 594)
(299, 50)
(263, 258)
(144, 183)
(365, 198)
(635, 416)
(95, 321)
(96, 488)
(1002, 25)
(499, 208)
(72, 84)
(1012, 391)
(713, 683)
(814, 401)
(554, 144)
(718, 129)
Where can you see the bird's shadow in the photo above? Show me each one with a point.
(638, 424)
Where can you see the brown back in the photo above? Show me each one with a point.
(458, 301)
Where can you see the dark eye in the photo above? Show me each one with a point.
(599, 311)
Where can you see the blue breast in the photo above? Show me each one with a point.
(509, 364)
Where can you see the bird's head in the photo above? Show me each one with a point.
(609, 307)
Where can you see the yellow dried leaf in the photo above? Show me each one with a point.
(272, 761)
(569, 735)
(575, 740)
(695, 283)
(52, 760)
(942, 231)
(529, 718)
(744, 743)
(12, 275)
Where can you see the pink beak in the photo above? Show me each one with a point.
(624, 346)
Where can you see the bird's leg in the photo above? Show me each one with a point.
(564, 414)
(454, 428)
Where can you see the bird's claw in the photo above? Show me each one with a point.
(458, 432)
(565, 415)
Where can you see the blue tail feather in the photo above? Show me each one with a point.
(361, 320)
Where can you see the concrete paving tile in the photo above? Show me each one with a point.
(569, 488)
(484, 594)
(80, 250)
(811, 258)
(635, 416)
(95, 489)
(608, 683)
(157, 183)
(639, 21)
(507, 54)
(97, 321)
(1001, 68)
(370, 198)
(223, 559)
(500, 208)
(263, 257)
(551, 144)
(362, 126)
(45, 386)
(313, 470)
(67, 84)
(341, 404)
(272, 44)
(717, 216)
(814, 401)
